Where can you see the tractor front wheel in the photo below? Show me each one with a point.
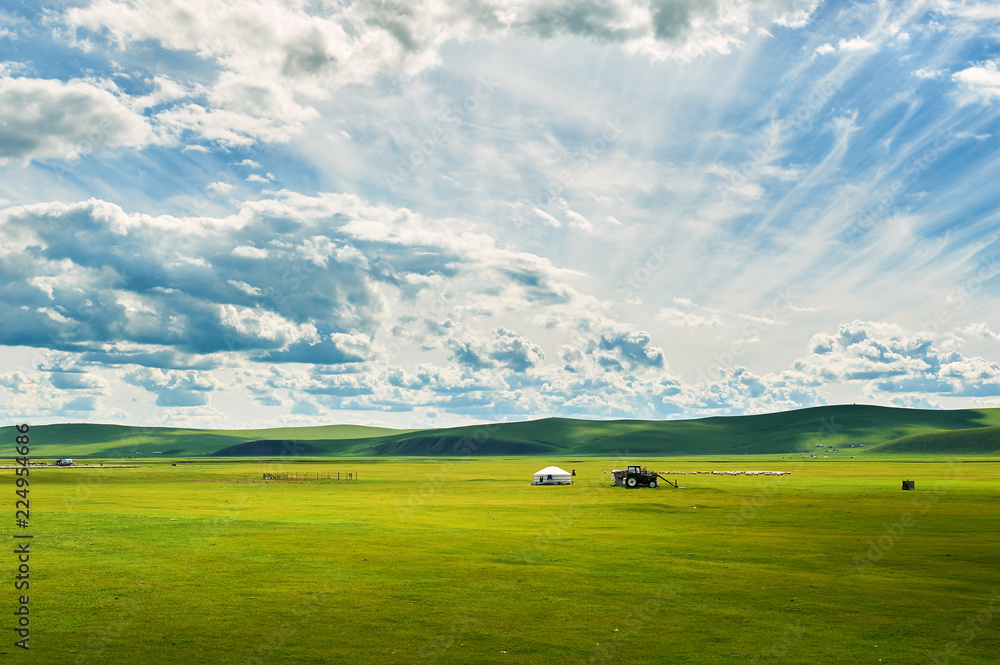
(631, 482)
(653, 483)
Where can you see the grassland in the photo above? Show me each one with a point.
(459, 560)
(785, 432)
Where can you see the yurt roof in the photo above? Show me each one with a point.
(553, 470)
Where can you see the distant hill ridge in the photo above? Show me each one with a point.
(879, 429)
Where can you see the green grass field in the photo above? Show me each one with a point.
(459, 560)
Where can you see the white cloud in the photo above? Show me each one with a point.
(246, 288)
(162, 89)
(982, 330)
(676, 317)
(888, 359)
(799, 15)
(221, 187)
(173, 388)
(228, 128)
(50, 118)
(249, 252)
(546, 217)
(980, 82)
(927, 73)
(856, 44)
(276, 60)
(823, 49)
(977, 10)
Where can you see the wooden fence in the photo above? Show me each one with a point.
(304, 475)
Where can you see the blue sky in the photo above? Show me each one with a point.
(425, 214)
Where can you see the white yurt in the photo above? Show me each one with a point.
(552, 475)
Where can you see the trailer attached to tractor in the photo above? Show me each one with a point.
(638, 476)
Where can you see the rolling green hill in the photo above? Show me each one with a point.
(87, 440)
(880, 429)
(979, 441)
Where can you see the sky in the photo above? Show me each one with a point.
(421, 214)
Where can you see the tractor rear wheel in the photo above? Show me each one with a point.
(631, 482)
(653, 483)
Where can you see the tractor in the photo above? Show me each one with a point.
(638, 476)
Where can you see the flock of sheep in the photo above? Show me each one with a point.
(729, 473)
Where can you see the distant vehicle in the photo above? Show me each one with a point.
(637, 476)
(65, 462)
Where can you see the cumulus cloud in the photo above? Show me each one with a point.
(102, 281)
(340, 288)
(888, 359)
(50, 118)
(631, 346)
(979, 83)
(504, 349)
(173, 388)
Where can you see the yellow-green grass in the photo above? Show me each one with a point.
(461, 560)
